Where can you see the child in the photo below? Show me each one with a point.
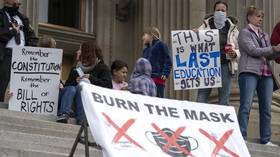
(140, 81)
(119, 72)
(158, 54)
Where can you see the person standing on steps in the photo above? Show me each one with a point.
(228, 34)
(255, 74)
(15, 30)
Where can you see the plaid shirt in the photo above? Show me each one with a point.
(265, 64)
(265, 68)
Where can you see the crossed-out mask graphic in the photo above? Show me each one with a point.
(184, 142)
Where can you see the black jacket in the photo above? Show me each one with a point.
(99, 76)
(6, 34)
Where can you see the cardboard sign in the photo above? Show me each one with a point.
(196, 59)
(35, 74)
(127, 125)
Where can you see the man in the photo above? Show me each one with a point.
(15, 31)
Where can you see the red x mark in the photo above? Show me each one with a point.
(122, 131)
(171, 141)
(221, 143)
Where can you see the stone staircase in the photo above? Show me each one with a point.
(256, 149)
(27, 135)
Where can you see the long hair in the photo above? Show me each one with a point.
(89, 52)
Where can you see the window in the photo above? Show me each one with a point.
(67, 13)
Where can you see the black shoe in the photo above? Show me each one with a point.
(79, 122)
(62, 118)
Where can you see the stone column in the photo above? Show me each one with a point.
(30, 9)
(197, 12)
(105, 22)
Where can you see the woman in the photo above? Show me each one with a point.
(119, 72)
(255, 73)
(228, 34)
(140, 81)
(92, 65)
(158, 55)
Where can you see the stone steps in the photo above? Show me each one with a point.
(253, 127)
(39, 127)
(36, 124)
(11, 152)
(34, 143)
(24, 146)
(37, 130)
(3, 112)
(24, 135)
(253, 130)
(27, 135)
(36, 139)
(258, 150)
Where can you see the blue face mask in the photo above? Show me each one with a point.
(219, 19)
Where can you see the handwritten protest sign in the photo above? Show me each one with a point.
(132, 125)
(35, 74)
(196, 59)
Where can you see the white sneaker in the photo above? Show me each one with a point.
(271, 144)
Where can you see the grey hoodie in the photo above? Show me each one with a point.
(140, 81)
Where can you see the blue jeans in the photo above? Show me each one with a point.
(248, 83)
(68, 95)
(160, 91)
(224, 91)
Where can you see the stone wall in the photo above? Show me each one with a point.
(117, 26)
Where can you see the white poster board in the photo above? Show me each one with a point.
(35, 75)
(132, 125)
(196, 59)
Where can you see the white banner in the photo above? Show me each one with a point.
(196, 59)
(35, 75)
(131, 125)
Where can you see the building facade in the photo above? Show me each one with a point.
(117, 25)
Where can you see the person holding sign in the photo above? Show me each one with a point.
(49, 42)
(228, 34)
(255, 73)
(158, 54)
(15, 31)
(90, 67)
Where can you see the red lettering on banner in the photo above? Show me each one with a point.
(121, 131)
(171, 141)
(221, 143)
